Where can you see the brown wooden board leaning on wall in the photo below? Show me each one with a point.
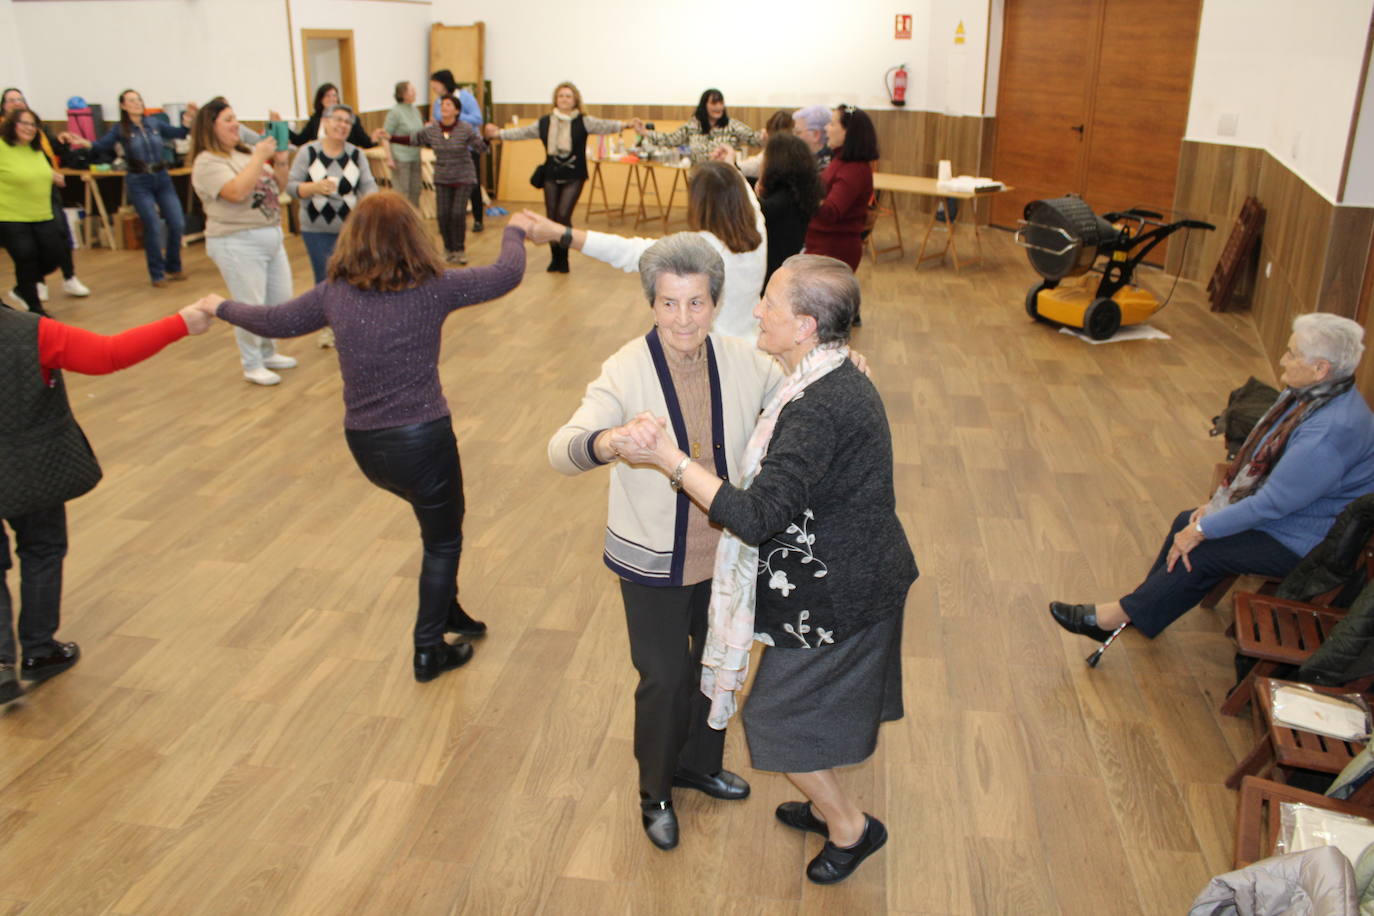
(1241, 249)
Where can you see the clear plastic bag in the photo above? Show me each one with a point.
(1305, 827)
(1343, 716)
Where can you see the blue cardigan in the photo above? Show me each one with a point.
(1328, 462)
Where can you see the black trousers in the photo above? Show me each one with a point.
(451, 206)
(667, 635)
(1166, 596)
(560, 201)
(64, 231)
(41, 544)
(419, 463)
(36, 249)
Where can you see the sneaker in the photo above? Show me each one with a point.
(326, 339)
(451, 257)
(278, 361)
(262, 376)
(10, 690)
(13, 301)
(461, 257)
(42, 292)
(71, 286)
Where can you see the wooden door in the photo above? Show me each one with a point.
(1140, 107)
(459, 48)
(1049, 54)
(1093, 100)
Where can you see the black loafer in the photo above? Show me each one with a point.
(724, 784)
(798, 816)
(477, 226)
(660, 823)
(9, 684)
(835, 863)
(42, 667)
(459, 622)
(1070, 617)
(432, 661)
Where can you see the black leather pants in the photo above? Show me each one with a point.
(419, 463)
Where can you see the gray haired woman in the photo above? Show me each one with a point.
(1306, 459)
(662, 546)
(814, 564)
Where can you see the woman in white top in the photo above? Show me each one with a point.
(723, 210)
(239, 189)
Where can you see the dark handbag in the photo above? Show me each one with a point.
(537, 179)
(1244, 408)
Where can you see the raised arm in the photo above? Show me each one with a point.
(63, 346)
(300, 316)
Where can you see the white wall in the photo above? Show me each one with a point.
(174, 50)
(1359, 183)
(640, 51)
(1288, 72)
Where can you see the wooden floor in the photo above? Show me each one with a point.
(243, 734)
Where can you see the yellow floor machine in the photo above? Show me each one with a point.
(1063, 238)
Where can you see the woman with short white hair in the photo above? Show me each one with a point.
(1308, 457)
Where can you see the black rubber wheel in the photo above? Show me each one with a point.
(1102, 319)
(1032, 299)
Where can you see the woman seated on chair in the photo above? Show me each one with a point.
(1306, 459)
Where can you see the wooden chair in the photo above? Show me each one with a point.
(1285, 748)
(1275, 631)
(1257, 816)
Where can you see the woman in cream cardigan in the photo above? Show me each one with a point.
(711, 389)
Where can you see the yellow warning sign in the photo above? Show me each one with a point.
(959, 33)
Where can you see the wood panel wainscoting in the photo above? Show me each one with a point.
(1316, 251)
(912, 142)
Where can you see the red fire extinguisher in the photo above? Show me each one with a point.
(896, 86)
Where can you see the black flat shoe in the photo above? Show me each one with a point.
(726, 785)
(432, 661)
(1070, 617)
(798, 816)
(9, 685)
(477, 226)
(660, 823)
(459, 622)
(42, 667)
(835, 863)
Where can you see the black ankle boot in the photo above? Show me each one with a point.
(554, 249)
(432, 661)
(562, 260)
(459, 622)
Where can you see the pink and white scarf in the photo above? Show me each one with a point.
(730, 630)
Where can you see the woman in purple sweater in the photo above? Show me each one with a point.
(386, 298)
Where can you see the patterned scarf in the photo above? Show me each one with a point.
(1257, 457)
(730, 632)
(560, 132)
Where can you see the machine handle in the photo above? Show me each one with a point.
(1020, 238)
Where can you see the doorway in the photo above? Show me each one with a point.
(1093, 100)
(328, 58)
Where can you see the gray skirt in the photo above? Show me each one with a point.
(813, 709)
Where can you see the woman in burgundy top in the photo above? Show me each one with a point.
(838, 226)
(386, 298)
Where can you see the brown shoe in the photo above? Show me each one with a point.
(159, 284)
(178, 276)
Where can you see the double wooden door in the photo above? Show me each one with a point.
(1093, 99)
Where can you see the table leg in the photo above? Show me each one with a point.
(106, 233)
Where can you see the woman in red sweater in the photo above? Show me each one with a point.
(837, 228)
(45, 461)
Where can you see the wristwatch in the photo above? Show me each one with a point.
(1197, 526)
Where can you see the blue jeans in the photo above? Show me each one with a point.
(319, 245)
(1166, 596)
(150, 192)
(254, 266)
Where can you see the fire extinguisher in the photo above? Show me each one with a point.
(896, 86)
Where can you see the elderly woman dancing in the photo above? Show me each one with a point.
(813, 537)
(1305, 460)
(661, 545)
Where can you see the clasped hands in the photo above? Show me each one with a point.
(1185, 539)
(199, 315)
(645, 440)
